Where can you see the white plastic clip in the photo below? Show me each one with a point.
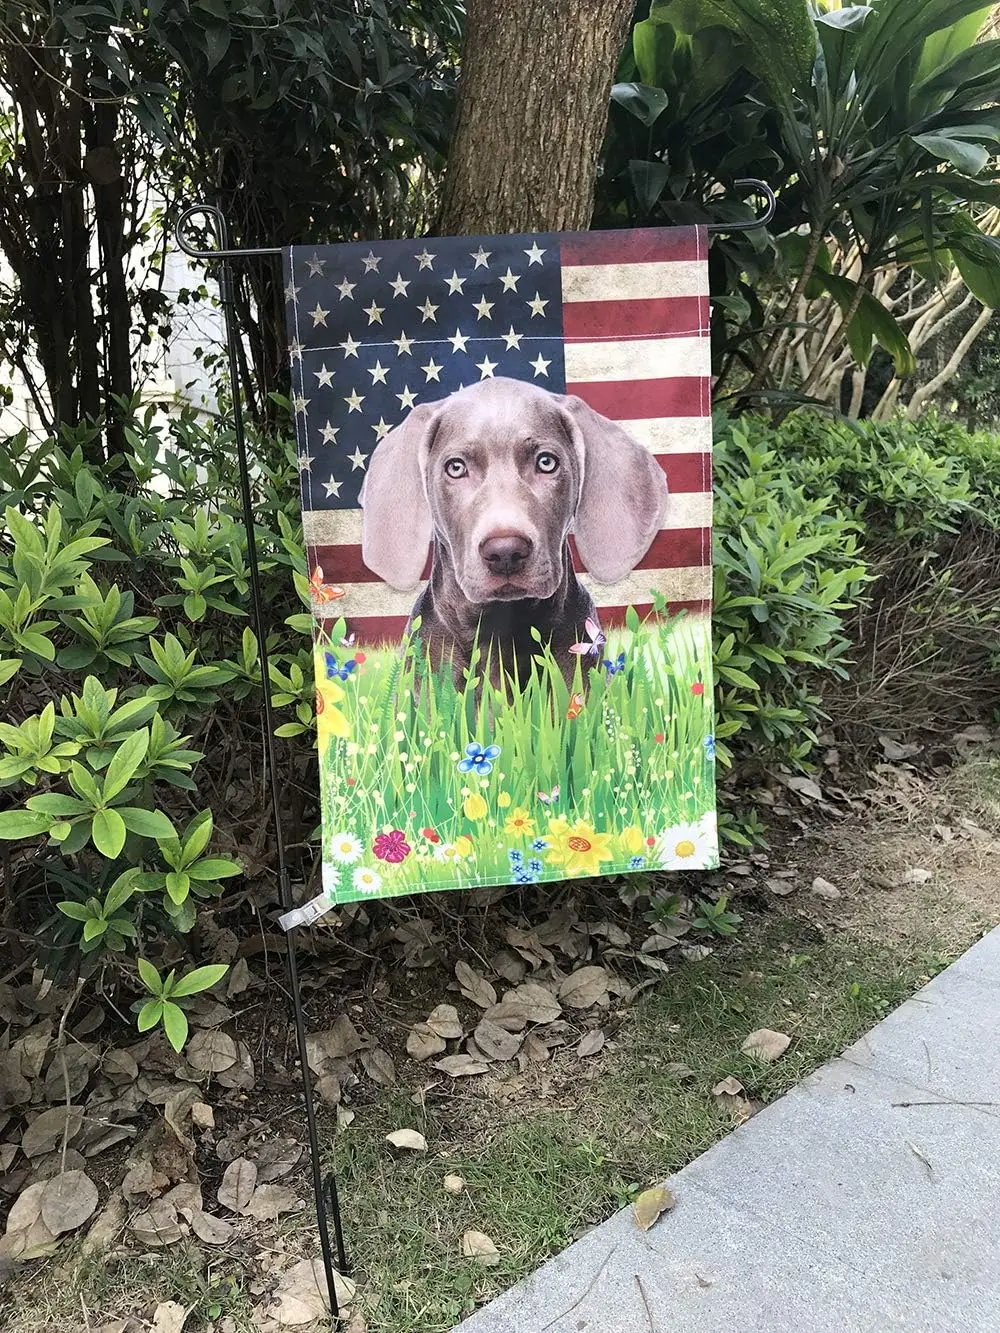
(307, 913)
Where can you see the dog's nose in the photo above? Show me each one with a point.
(505, 552)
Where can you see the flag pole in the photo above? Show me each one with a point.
(325, 1190)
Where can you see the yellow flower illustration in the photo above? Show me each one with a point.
(503, 800)
(579, 849)
(475, 806)
(463, 845)
(330, 721)
(632, 840)
(520, 823)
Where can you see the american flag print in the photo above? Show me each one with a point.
(594, 753)
(620, 319)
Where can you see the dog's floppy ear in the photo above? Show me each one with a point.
(396, 519)
(622, 499)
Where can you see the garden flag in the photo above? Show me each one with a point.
(504, 447)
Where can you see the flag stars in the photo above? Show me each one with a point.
(428, 311)
(512, 339)
(378, 373)
(329, 433)
(354, 401)
(425, 260)
(291, 291)
(357, 460)
(345, 288)
(332, 488)
(537, 306)
(403, 345)
(481, 257)
(483, 308)
(534, 254)
(295, 350)
(299, 403)
(324, 377)
(458, 341)
(406, 398)
(540, 366)
(399, 286)
(350, 347)
(370, 262)
(455, 284)
(382, 429)
(510, 281)
(319, 315)
(316, 266)
(305, 462)
(431, 371)
(375, 312)
(486, 368)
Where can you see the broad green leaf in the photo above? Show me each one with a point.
(52, 803)
(202, 978)
(108, 833)
(969, 158)
(150, 976)
(76, 911)
(178, 885)
(125, 762)
(22, 824)
(945, 45)
(871, 322)
(175, 1025)
(149, 1015)
(977, 258)
(640, 100)
(120, 892)
(197, 838)
(94, 927)
(147, 823)
(214, 867)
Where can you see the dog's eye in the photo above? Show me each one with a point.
(455, 468)
(546, 462)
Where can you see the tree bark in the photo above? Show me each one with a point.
(532, 111)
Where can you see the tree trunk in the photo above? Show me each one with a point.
(532, 110)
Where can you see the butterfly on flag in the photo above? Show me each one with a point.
(596, 641)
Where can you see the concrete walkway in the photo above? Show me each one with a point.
(866, 1200)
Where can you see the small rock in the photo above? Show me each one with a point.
(917, 876)
(822, 888)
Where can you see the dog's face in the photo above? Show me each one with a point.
(500, 474)
(502, 489)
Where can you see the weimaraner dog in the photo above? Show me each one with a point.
(494, 479)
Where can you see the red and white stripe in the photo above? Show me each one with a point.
(636, 334)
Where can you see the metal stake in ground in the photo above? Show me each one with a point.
(322, 1189)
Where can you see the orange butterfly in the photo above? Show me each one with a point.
(323, 592)
(575, 708)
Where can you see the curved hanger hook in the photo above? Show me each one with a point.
(217, 221)
(759, 187)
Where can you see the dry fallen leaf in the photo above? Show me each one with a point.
(211, 1230)
(474, 986)
(480, 1248)
(495, 1042)
(730, 1087)
(407, 1138)
(238, 1184)
(651, 1205)
(276, 1159)
(169, 1317)
(211, 1052)
(781, 888)
(584, 988)
(379, 1067)
(68, 1201)
(27, 1208)
(460, 1066)
(157, 1225)
(444, 1022)
(47, 1129)
(591, 1043)
(328, 1089)
(336, 1043)
(423, 1042)
(302, 1293)
(453, 1184)
(766, 1044)
(538, 1003)
(268, 1202)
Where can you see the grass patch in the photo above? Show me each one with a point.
(538, 1175)
(429, 786)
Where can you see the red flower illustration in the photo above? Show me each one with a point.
(391, 846)
(430, 835)
(658, 738)
(697, 688)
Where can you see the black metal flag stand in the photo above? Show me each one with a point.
(324, 1186)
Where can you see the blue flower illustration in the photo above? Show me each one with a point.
(522, 876)
(539, 845)
(636, 863)
(709, 744)
(478, 760)
(535, 866)
(516, 857)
